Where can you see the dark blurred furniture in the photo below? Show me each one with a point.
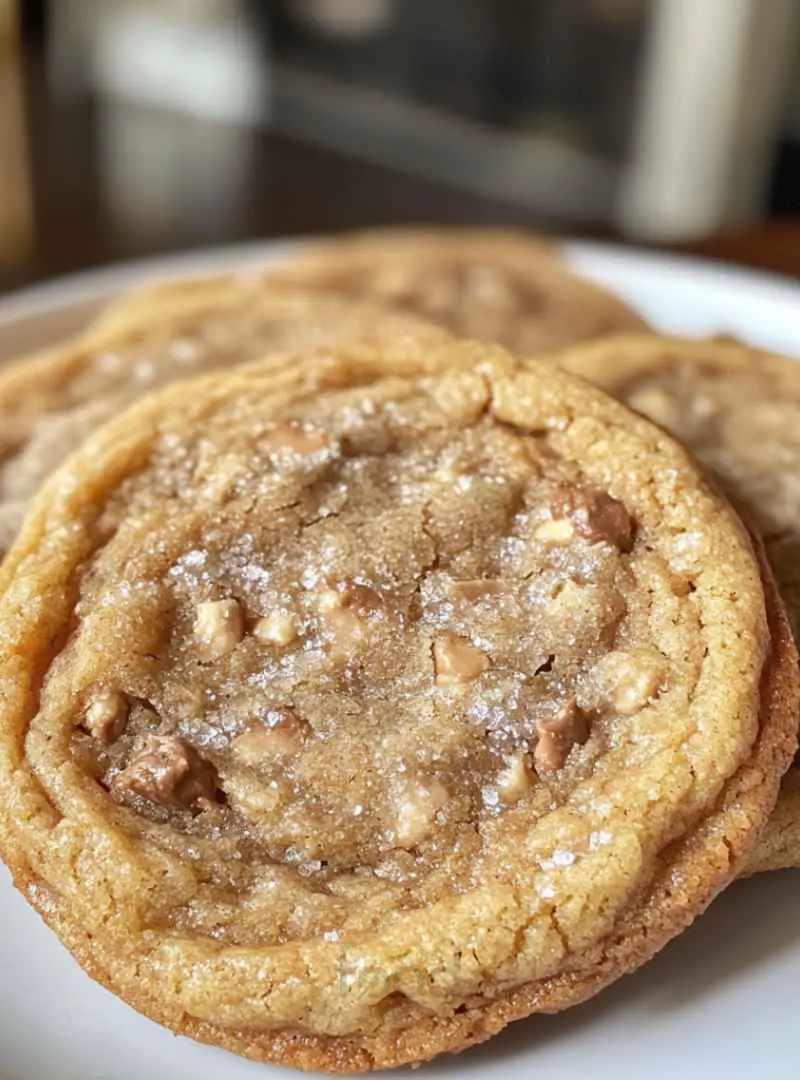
(153, 126)
(210, 183)
(87, 214)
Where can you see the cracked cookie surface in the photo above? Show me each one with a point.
(380, 700)
(737, 409)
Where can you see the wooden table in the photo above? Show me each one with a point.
(774, 247)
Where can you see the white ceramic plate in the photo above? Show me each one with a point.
(721, 1001)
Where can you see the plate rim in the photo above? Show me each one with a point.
(83, 286)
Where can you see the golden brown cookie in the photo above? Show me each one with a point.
(737, 408)
(501, 284)
(355, 707)
(489, 284)
(50, 401)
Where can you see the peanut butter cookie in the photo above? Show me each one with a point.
(737, 408)
(352, 709)
(489, 284)
(50, 401)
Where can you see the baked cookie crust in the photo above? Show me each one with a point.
(381, 696)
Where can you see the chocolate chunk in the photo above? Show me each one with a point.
(556, 737)
(170, 773)
(595, 515)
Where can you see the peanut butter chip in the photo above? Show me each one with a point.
(556, 737)
(107, 715)
(595, 515)
(557, 531)
(456, 661)
(514, 780)
(418, 805)
(276, 629)
(637, 677)
(218, 627)
(281, 736)
(170, 773)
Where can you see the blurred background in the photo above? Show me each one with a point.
(136, 127)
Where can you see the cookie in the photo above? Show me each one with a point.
(500, 285)
(737, 409)
(50, 401)
(381, 698)
(488, 284)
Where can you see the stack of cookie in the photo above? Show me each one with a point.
(367, 679)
